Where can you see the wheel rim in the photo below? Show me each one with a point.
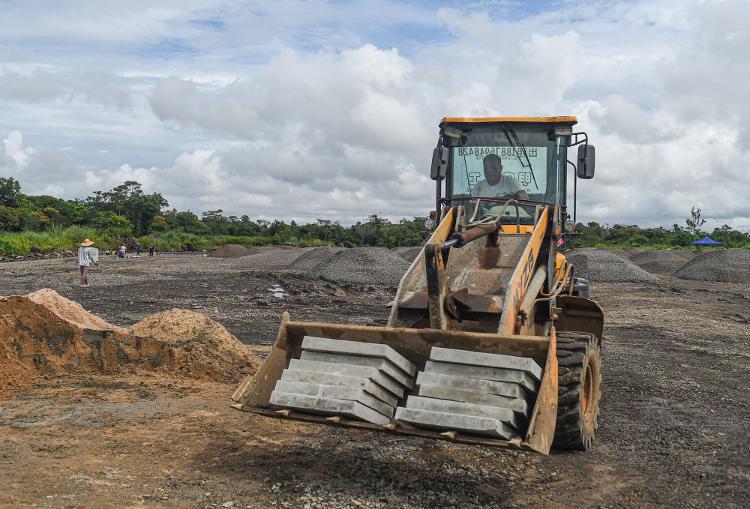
(588, 389)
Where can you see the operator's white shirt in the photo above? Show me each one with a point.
(507, 184)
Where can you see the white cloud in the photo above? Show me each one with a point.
(300, 109)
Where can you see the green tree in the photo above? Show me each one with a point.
(113, 224)
(215, 222)
(128, 200)
(10, 219)
(10, 192)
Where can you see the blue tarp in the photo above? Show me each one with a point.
(705, 241)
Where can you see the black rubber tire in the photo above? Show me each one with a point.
(579, 390)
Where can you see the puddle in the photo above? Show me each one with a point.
(277, 291)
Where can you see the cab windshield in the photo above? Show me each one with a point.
(502, 161)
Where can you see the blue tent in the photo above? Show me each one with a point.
(705, 241)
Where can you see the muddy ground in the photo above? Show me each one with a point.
(674, 422)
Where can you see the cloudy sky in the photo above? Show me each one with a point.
(307, 109)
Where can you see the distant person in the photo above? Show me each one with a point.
(495, 184)
(121, 251)
(86, 256)
(151, 250)
(138, 248)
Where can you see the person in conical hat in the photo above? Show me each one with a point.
(86, 257)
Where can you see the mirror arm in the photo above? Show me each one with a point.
(575, 188)
(578, 138)
(438, 198)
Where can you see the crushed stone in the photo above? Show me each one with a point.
(665, 261)
(270, 259)
(722, 265)
(375, 266)
(314, 259)
(605, 266)
(408, 253)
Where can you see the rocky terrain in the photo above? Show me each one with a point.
(676, 358)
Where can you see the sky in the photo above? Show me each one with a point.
(330, 109)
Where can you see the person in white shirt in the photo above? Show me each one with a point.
(495, 184)
(86, 256)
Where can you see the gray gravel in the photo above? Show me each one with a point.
(408, 253)
(604, 266)
(722, 265)
(314, 258)
(662, 261)
(387, 472)
(271, 259)
(376, 266)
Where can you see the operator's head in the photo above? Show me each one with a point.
(493, 168)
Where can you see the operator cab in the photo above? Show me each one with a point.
(504, 167)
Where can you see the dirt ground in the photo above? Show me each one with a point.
(674, 421)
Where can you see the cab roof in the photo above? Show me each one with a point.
(525, 120)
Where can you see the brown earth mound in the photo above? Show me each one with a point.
(36, 341)
(68, 310)
(230, 251)
(177, 326)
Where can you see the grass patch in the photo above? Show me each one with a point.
(62, 239)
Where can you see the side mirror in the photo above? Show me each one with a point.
(439, 163)
(586, 161)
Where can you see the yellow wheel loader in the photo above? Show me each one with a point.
(490, 291)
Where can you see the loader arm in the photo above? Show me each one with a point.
(444, 307)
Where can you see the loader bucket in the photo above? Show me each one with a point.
(254, 393)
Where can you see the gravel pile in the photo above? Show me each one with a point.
(604, 266)
(270, 259)
(617, 251)
(314, 259)
(724, 265)
(408, 253)
(376, 266)
(662, 261)
(230, 251)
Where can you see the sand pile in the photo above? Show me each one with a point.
(230, 251)
(188, 329)
(69, 310)
(314, 259)
(408, 253)
(376, 266)
(36, 341)
(662, 261)
(723, 265)
(604, 266)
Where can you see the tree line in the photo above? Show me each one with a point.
(125, 213)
